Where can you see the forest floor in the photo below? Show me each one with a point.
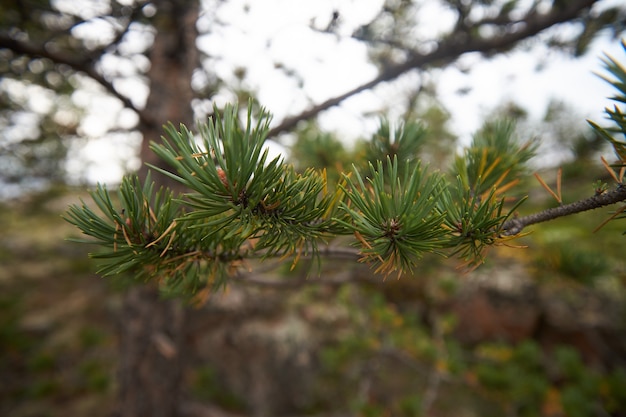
(58, 319)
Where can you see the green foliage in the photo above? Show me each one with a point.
(241, 205)
(615, 394)
(32, 155)
(132, 235)
(515, 374)
(578, 263)
(402, 143)
(531, 381)
(238, 204)
(439, 138)
(495, 159)
(314, 149)
(95, 375)
(207, 386)
(91, 337)
(395, 217)
(615, 115)
(398, 344)
(616, 134)
(12, 340)
(398, 349)
(475, 209)
(580, 394)
(474, 222)
(57, 348)
(240, 196)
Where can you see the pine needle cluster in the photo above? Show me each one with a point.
(238, 204)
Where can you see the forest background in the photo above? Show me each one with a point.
(532, 332)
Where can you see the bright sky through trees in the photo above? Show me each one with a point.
(290, 64)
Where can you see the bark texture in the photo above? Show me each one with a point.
(151, 342)
(173, 58)
(151, 328)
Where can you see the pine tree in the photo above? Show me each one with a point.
(240, 205)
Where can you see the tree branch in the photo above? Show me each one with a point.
(328, 252)
(450, 49)
(79, 65)
(516, 225)
(248, 279)
(130, 19)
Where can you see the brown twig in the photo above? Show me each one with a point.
(607, 198)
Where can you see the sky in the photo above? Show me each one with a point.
(330, 66)
(272, 39)
(575, 81)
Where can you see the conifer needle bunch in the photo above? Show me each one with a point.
(237, 204)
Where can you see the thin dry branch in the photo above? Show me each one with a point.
(130, 19)
(329, 252)
(607, 198)
(450, 49)
(85, 66)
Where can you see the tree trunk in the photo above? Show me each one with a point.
(173, 58)
(152, 329)
(151, 345)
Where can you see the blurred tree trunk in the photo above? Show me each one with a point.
(152, 328)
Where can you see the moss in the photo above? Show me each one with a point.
(206, 386)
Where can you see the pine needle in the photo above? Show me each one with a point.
(544, 185)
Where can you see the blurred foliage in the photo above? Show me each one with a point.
(319, 150)
(57, 358)
(391, 359)
(582, 264)
(40, 115)
(207, 386)
(394, 347)
(34, 146)
(614, 134)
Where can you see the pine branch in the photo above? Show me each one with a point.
(243, 206)
(516, 225)
(448, 50)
